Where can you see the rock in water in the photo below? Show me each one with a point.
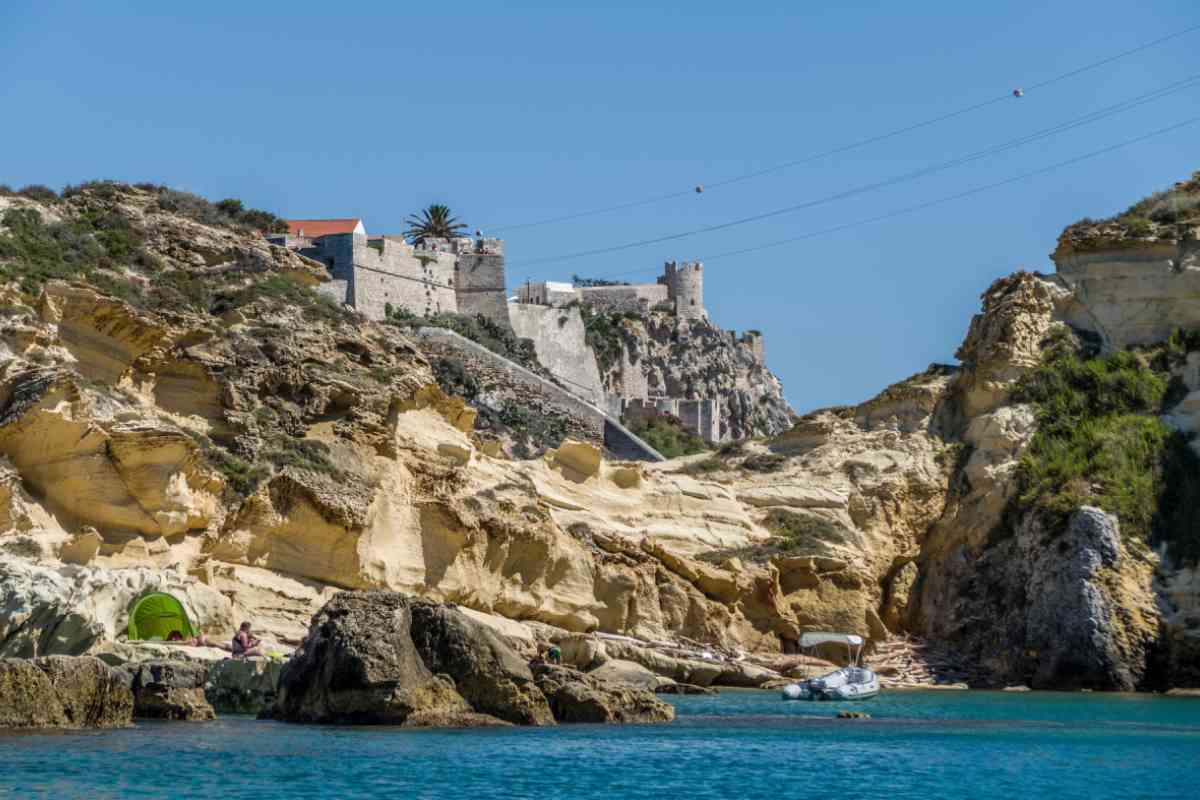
(242, 686)
(486, 671)
(576, 697)
(684, 688)
(170, 690)
(359, 665)
(630, 673)
(63, 692)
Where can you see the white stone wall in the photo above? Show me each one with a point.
(637, 298)
(559, 339)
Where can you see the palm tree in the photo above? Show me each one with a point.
(435, 222)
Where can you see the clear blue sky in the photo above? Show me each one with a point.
(518, 111)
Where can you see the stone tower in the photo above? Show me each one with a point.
(480, 280)
(685, 288)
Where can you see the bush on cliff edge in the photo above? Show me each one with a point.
(1100, 442)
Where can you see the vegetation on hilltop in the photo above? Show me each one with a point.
(107, 249)
(1163, 215)
(1100, 441)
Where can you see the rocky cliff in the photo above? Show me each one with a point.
(658, 354)
(179, 411)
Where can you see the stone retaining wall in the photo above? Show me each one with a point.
(496, 373)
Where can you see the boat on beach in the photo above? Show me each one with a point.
(851, 682)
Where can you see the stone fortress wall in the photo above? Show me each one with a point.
(701, 417)
(463, 275)
(505, 380)
(681, 286)
(467, 276)
(559, 339)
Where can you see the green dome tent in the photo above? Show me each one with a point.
(155, 615)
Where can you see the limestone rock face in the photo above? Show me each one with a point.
(1133, 293)
(577, 697)
(71, 610)
(1077, 611)
(256, 460)
(663, 355)
(1075, 621)
(62, 692)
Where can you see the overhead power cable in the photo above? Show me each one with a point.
(1087, 119)
(939, 201)
(845, 148)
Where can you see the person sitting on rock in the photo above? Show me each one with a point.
(245, 645)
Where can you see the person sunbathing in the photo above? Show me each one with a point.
(199, 640)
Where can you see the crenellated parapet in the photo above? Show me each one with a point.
(373, 273)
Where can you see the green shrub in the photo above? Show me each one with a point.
(478, 329)
(793, 534)
(38, 192)
(764, 462)
(229, 212)
(604, 333)
(105, 190)
(667, 435)
(806, 532)
(34, 252)
(452, 377)
(530, 430)
(1101, 442)
(704, 466)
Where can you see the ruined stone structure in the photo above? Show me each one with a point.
(701, 417)
(753, 340)
(371, 273)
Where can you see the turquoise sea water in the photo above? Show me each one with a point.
(739, 745)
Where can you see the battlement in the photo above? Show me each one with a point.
(699, 417)
(685, 288)
(371, 273)
(680, 285)
(753, 340)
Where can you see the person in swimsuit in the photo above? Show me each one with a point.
(199, 640)
(245, 645)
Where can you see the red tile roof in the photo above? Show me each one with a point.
(313, 228)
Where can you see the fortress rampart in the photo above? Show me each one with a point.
(462, 275)
(680, 286)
